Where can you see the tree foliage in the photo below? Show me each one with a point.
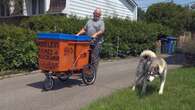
(140, 14)
(169, 14)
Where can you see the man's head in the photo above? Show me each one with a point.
(97, 14)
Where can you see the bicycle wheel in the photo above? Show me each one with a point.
(48, 83)
(89, 74)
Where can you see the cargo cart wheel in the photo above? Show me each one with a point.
(48, 83)
(63, 78)
(89, 74)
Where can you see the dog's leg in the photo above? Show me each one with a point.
(133, 88)
(135, 82)
(162, 87)
(162, 80)
(144, 86)
(139, 73)
(137, 79)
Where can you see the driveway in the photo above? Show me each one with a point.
(25, 92)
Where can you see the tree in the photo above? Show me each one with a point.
(192, 24)
(141, 14)
(171, 15)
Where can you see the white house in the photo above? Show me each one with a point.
(81, 8)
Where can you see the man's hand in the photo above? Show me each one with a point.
(80, 32)
(94, 35)
(93, 40)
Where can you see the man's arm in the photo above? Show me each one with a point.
(102, 29)
(82, 31)
(95, 35)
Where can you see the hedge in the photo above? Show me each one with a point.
(133, 36)
(18, 51)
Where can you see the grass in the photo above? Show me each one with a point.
(179, 94)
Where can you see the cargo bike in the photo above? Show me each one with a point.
(63, 55)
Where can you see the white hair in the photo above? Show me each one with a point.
(148, 53)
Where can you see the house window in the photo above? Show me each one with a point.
(57, 5)
(37, 7)
(41, 6)
(4, 11)
(34, 7)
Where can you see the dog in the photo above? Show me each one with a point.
(149, 67)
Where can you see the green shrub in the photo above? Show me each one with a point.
(133, 37)
(17, 49)
(50, 23)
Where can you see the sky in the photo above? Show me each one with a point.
(145, 3)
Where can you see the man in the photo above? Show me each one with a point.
(95, 28)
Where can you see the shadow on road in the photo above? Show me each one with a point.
(58, 84)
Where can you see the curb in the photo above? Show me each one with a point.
(19, 74)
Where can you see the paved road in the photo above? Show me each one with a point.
(25, 92)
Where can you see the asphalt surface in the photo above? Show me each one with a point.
(25, 92)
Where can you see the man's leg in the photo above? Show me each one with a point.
(95, 57)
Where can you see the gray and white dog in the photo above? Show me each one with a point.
(150, 66)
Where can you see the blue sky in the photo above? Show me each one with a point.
(145, 3)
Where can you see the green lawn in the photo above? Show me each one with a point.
(179, 94)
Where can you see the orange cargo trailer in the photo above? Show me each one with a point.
(56, 56)
(62, 55)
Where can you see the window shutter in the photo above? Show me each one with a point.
(57, 5)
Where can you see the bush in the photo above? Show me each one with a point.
(17, 49)
(50, 23)
(133, 37)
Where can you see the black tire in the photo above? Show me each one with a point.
(89, 74)
(48, 83)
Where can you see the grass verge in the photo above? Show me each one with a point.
(179, 94)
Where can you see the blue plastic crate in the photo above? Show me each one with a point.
(61, 36)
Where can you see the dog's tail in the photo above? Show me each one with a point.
(148, 54)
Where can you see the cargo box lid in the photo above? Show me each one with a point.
(61, 36)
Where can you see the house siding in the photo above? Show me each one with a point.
(119, 8)
(84, 8)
